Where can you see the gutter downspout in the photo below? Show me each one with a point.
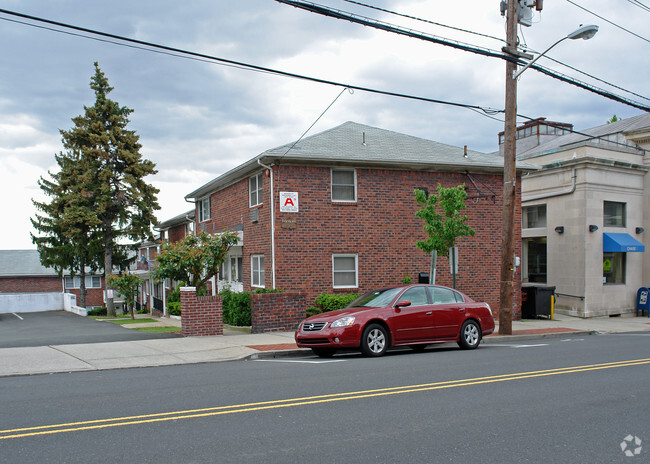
(567, 191)
(259, 161)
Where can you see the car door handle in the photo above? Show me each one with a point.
(462, 310)
(429, 313)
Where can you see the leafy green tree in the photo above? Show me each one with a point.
(122, 201)
(195, 259)
(613, 119)
(443, 222)
(128, 286)
(67, 227)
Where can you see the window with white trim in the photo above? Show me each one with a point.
(255, 190)
(344, 185)
(75, 282)
(345, 271)
(204, 209)
(257, 271)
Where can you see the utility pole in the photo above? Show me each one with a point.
(509, 176)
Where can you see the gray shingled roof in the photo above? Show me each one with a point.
(23, 263)
(605, 136)
(183, 218)
(360, 145)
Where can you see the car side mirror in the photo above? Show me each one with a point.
(402, 304)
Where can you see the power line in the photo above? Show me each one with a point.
(592, 76)
(425, 20)
(163, 49)
(365, 21)
(584, 134)
(640, 5)
(338, 14)
(607, 20)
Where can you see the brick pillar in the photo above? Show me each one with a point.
(200, 315)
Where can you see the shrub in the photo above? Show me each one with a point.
(174, 308)
(313, 310)
(174, 296)
(97, 312)
(328, 302)
(236, 308)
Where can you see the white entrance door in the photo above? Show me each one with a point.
(230, 275)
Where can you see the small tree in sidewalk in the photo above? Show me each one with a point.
(128, 285)
(443, 222)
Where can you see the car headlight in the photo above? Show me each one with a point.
(343, 322)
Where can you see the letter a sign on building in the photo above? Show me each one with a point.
(288, 202)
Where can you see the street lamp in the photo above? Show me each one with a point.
(506, 286)
(583, 32)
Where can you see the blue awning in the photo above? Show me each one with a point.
(621, 243)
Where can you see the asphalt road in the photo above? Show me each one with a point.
(63, 328)
(548, 400)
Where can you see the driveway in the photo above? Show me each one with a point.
(64, 328)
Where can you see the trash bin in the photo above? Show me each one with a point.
(642, 301)
(423, 278)
(536, 301)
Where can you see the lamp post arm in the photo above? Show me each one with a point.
(530, 63)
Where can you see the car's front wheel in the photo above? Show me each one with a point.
(374, 341)
(470, 335)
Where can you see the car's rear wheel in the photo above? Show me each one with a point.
(374, 341)
(324, 352)
(470, 335)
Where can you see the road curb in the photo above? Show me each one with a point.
(492, 339)
(516, 338)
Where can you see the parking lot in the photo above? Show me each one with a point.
(63, 328)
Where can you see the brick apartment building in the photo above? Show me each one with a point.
(21, 271)
(335, 213)
(153, 294)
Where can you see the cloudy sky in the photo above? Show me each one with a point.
(198, 119)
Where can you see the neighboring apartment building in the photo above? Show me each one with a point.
(586, 213)
(153, 295)
(21, 271)
(335, 213)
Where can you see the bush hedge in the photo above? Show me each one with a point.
(97, 312)
(174, 308)
(326, 302)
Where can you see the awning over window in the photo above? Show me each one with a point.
(621, 243)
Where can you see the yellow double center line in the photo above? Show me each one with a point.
(291, 402)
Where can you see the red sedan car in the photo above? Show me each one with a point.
(408, 315)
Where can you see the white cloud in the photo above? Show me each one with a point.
(197, 120)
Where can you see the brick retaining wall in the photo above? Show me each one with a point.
(277, 311)
(200, 315)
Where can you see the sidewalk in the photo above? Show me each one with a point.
(237, 345)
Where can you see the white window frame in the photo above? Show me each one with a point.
(255, 190)
(204, 212)
(332, 185)
(75, 282)
(356, 269)
(257, 271)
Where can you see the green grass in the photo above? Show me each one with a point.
(135, 321)
(123, 320)
(168, 329)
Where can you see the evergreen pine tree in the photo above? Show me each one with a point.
(124, 202)
(99, 196)
(67, 226)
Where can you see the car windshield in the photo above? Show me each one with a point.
(376, 299)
